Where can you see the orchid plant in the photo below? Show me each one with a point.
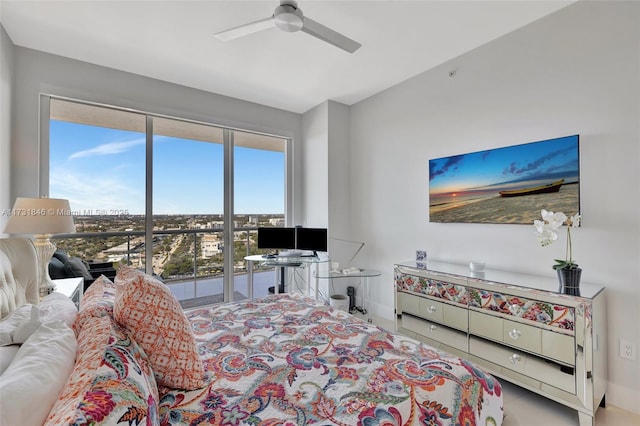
(547, 232)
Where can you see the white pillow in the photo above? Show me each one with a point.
(55, 306)
(26, 327)
(11, 322)
(7, 353)
(30, 385)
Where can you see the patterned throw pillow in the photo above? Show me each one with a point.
(111, 383)
(154, 318)
(97, 301)
(97, 291)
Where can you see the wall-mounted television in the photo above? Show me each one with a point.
(506, 185)
(311, 239)
(276, 238)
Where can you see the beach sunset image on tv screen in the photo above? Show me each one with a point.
(506, 185)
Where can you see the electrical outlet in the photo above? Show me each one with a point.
(627, 350)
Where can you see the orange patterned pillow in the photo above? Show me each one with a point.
(95, 292)
(110, 383)
(97, 301)
(155, 319)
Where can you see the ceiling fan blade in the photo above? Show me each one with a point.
(318, 30)
(246, 29)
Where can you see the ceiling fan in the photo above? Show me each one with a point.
(288, 17)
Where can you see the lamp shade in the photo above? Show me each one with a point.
(40, 216)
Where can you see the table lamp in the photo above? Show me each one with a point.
(41, 217)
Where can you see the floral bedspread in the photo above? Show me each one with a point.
(289, 360)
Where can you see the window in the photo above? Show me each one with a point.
(137, 181)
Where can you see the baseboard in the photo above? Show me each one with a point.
(623, 397)
(386, 311)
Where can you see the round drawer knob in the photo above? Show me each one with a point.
(431, 309)
(515, 333)
(432, 327)
(513, 359)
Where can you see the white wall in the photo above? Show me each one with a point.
(38, 72)
(575, 71)
(326, 189)
(6, 91)
(326, 168)
(315, 190)
(339, 173)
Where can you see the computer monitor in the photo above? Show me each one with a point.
(276, 238)
(313, 239)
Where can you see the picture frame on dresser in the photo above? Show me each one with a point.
(514, 325)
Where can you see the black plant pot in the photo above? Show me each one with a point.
(569, 281)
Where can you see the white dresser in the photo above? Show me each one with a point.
(516, 326)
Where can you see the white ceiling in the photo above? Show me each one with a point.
(173, 41)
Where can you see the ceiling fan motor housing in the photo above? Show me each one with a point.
(288, 18)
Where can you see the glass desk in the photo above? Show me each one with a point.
(281, 263)
(362, 274)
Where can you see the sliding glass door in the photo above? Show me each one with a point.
(179, 199)
(188, 203)
(97, 162)
(259, 185)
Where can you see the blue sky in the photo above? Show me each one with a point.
(99, 168)
(498, 169)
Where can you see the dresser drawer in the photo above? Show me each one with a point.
(485, 326)
(422, 307)
(535, 340)
(434, 331)
(522, 336)
(433, 310)
(501, 355)
(559, 347)
(523, 363)
(408, 303)
(455, 317)
(504, 331)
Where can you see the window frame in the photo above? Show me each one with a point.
(228, 143)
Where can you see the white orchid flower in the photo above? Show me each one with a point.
(574, 221)
(555, 220)
(547, 233)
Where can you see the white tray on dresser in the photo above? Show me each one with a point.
(516, 326)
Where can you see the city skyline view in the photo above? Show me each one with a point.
(102, 171)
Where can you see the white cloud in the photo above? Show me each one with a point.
(88, 192)
(107, 149)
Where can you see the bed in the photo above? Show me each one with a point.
(281, 360)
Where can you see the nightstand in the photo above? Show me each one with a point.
(73, 288)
